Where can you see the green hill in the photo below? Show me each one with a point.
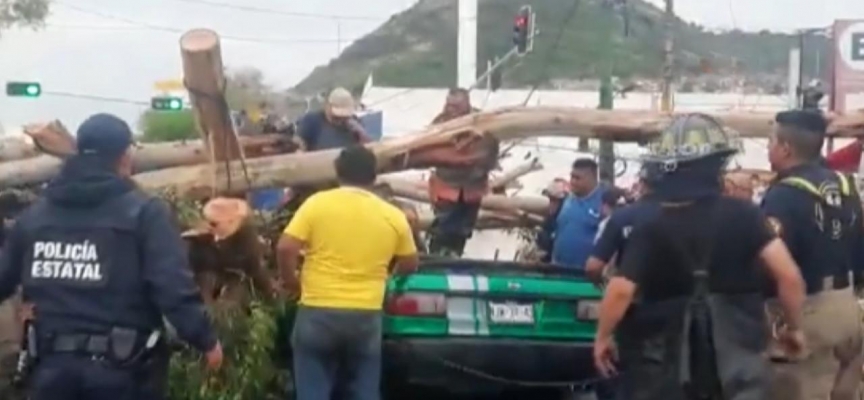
(417, 48)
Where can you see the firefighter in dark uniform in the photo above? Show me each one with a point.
(102, 262)
(456, 192)
(686, 298)
(817, 212)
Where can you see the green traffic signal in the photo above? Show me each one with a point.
(23, 89)
(166, 103)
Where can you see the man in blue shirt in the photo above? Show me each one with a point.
(334, 127)
(579, 218)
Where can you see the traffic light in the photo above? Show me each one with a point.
(23, 89)
(523, 27)
(166, 103)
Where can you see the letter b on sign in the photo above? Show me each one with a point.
(850, 46)
(857, 46)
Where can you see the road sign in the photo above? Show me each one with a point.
(166, 103)
(851, 46)
(169, 85)
(23, 89)
(848, 64)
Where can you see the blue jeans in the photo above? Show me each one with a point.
(337, 349)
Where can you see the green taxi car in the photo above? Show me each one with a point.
(480, 325)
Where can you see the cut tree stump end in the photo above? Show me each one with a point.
(200, 39)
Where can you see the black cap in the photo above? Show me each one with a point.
(809, 120)
(104, 136)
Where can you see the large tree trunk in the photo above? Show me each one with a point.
(202, 70)
(452, 142)
(226, 252)
(147, 157)
(449, 142)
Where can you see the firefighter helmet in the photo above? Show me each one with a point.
(691, 137)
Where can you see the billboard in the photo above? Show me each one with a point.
(848, 65)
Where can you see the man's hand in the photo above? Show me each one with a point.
(357, 129)
(215, 357)
(605, 356)
(594, 273)
(292, 288)
(793, 343)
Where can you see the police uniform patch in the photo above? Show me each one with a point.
(775, 226)
(62, 261)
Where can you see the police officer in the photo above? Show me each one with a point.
(817, 212)
(102, 262)
(693, 333)
(612, 238)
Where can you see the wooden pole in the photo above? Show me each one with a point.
(669, 61)
(606, 155)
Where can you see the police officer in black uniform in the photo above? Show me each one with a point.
(102, 262)
(612, 239)
(817, 212)
(692, 276)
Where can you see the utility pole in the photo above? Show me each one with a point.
(466, 53)
(606, 157)
(669, 61)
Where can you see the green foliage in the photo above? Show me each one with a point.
(162, 126)
(253, 331)
(250, 335)
(22, 12)
(418, 47)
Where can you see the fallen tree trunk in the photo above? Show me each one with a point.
(452, 140)
(487, 220)
(506, 179)
(516, 206)
(17, 148)
(147, 157)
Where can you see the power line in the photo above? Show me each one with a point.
(272, 11)
(732, 14)
(94, 97)
(553, 50)
(178, 30)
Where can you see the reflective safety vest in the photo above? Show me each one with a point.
(807, 186)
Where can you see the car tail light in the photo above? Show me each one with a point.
(417, 304)
(588, 310)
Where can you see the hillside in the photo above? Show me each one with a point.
(418, 47)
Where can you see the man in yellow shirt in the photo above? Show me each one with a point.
(351, 238)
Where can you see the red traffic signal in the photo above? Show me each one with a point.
(521, 21)
(523, 30)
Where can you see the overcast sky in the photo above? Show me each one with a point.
(119, 48)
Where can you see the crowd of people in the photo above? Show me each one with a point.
(706, 295)
(710, 296)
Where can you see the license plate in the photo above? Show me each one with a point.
(588, 310)
(511, 313)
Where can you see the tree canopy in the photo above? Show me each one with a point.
(22, 13)
(245, 90)
(164, 126)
